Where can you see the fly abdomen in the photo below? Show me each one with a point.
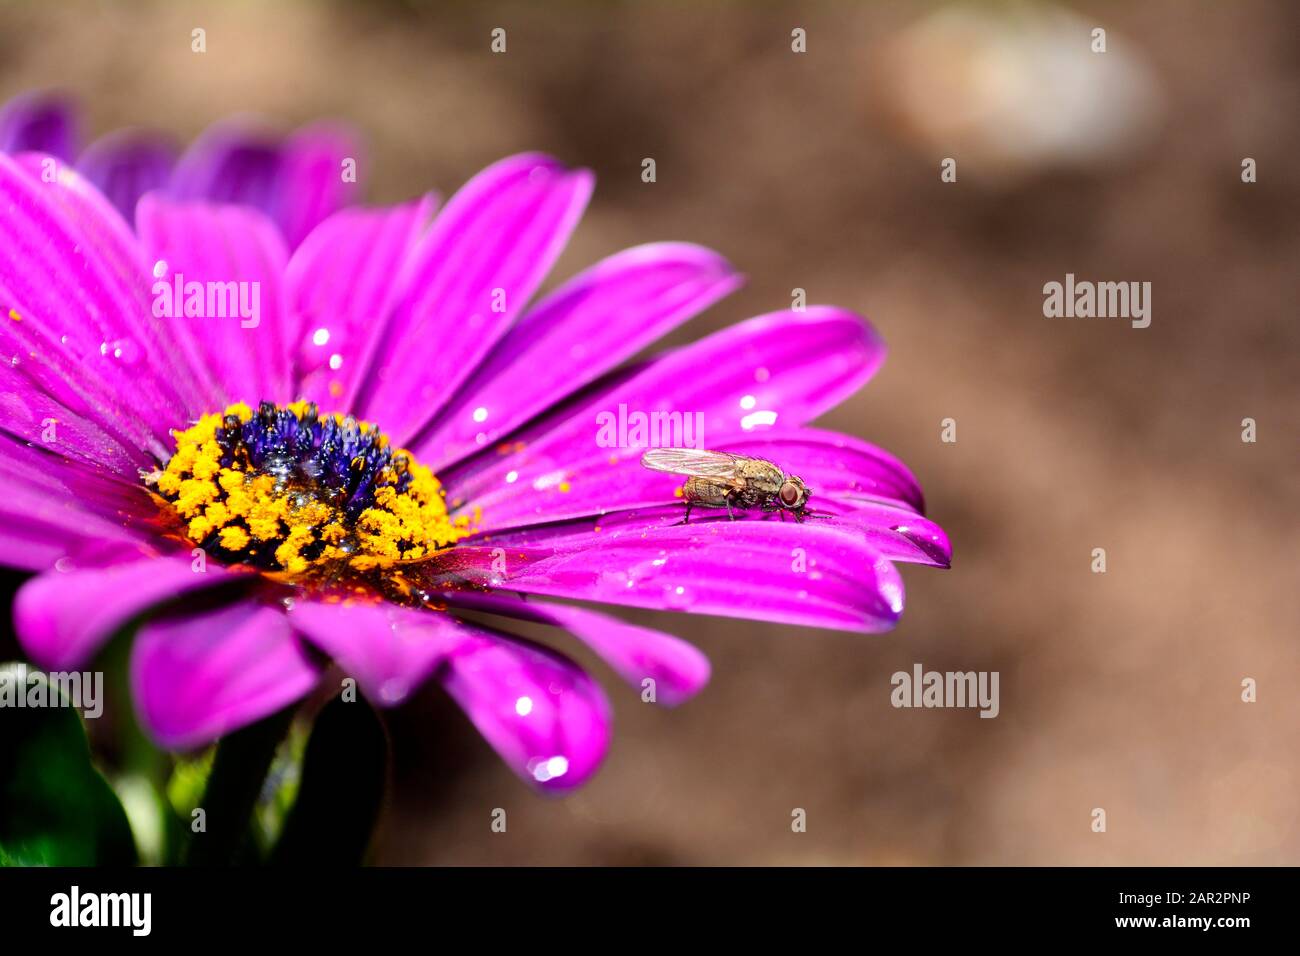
(702, 491)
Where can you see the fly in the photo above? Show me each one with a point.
(716, 479)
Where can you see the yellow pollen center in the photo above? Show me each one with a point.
(285, 514)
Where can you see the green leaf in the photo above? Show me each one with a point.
(280, 791)
(55, 807)
(188, 780)
(344, 773)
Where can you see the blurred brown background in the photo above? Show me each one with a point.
(821, 171)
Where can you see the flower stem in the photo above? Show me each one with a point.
(238, 772)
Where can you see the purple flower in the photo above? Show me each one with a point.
(260, 541)
(295, 180)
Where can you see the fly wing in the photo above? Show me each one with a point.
(713, 465)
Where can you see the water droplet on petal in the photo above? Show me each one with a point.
(550, 769)
(678, 597)
(754, 419)
(125, 351)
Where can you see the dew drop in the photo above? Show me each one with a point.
(678, 597)
(125, 351)
(754, 419)
(548, 768)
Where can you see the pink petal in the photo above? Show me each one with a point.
(339, 287)
(311, 187)
(679, 670)
(126, 164)
(577, 333)
(815, 574)
(842, 472)
(198, 676)
(74, 275)
(547, 719)
(235, 161)
(51, 508)
(204, 243)
(40, 121)
(63, 616)
(783, 368)
(29, 414)
(38, 471)
(297, 183)
(389, 650)
(496, 239)
(900, 534)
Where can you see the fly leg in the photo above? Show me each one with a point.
(686, 519)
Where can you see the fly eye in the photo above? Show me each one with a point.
(789, 494)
